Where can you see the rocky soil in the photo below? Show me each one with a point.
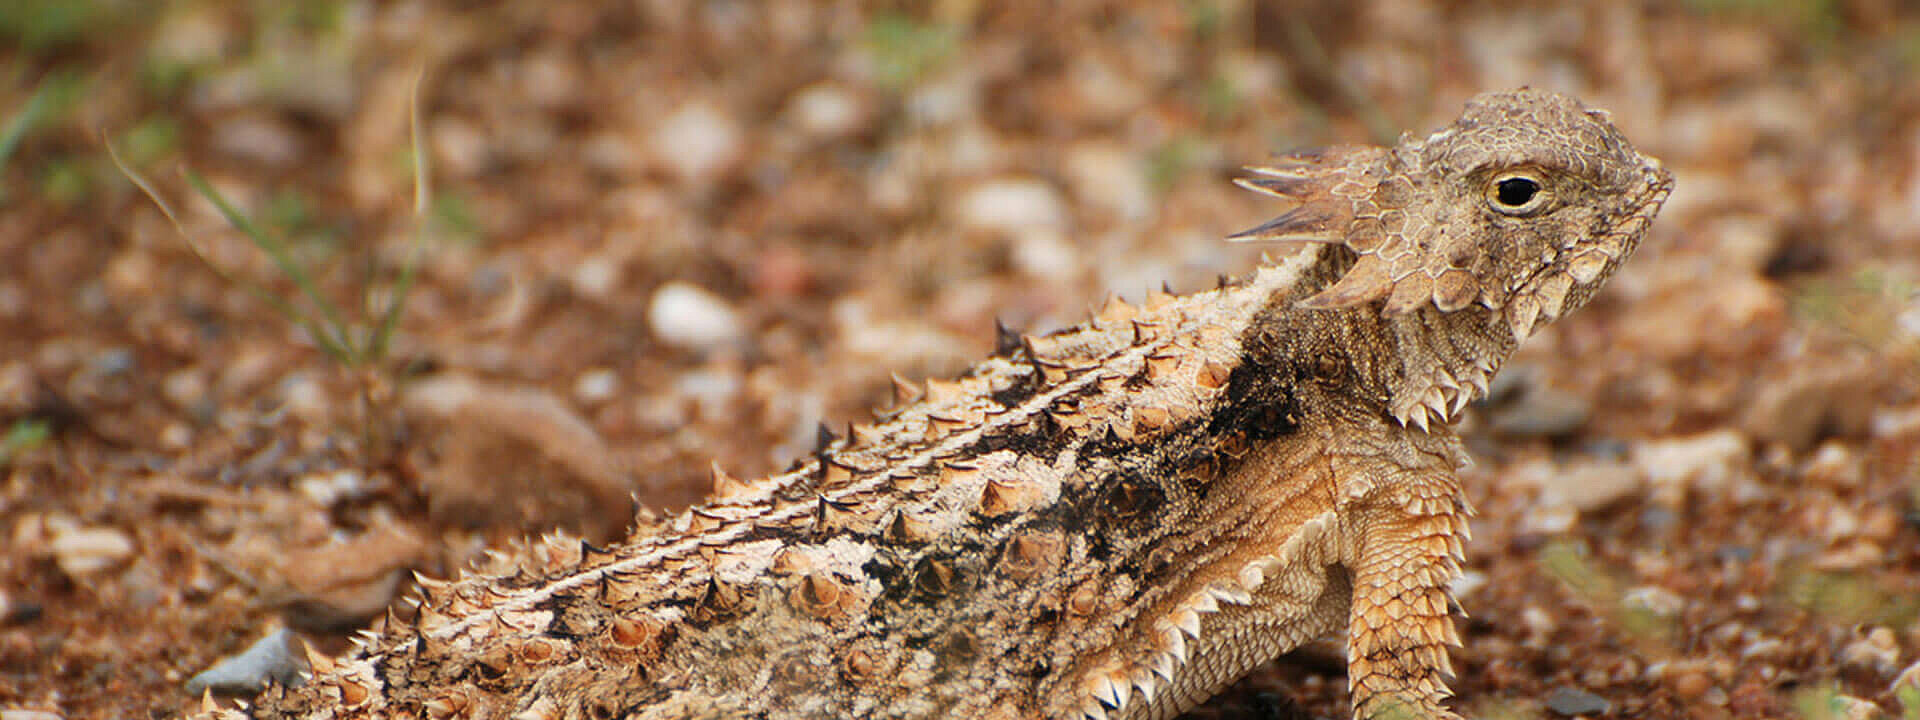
(664, 233)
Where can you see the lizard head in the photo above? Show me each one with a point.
(1523, 206)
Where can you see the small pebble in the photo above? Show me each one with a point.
(1542, 412)
(1848, 707)
(258, 140)
(327, 488)
(1046, 253)
(1110, 178)
(596, 385)
(113, 361)
(176, 436)
(1878, 652)
(1763, 648)
(596, 277)
(688, 316)
(1907, 681)
(698, 141)
(1566, 700)
(826, 111)
(23, 714)
(1654, 599)
(1105, 91)
(1013, 204)
(1692, 686)
(83, 551)
(272, 657)
(1706, 461)
(15, 611)
(710, 391)
(1590, 486)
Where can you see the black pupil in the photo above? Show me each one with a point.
(1514, 192)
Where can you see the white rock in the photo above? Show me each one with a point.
(943, 101)
(596, 277)
(86, 550)
(1013, 204)
(327, 488)
(259, 141)
(1878, 650)
(596, 385)
(302, 395)
(1654, 599)
(1105, 91)
(697, 141)
(189, 35)
(22, 714)
(710, 391)
(688, 316)
(971, 149)
(1589, 486)
(185, 389)
(1110, 178)
(826, 111)
(176, 436)
(1044, 252)
(610, 152)
(459, 147)
(1707, 461)
(270, 658)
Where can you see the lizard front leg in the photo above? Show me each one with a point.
(1404, 553)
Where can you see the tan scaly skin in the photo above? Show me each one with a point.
(1115, 520)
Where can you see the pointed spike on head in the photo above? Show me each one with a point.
(1410, 293)
(1319, 222)
(1553, 294)
(1455, 290)
(1363, 283)
(1279, 183)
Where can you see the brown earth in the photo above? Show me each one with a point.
(675, 231)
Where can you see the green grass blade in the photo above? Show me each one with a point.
(286, 310)
(24, 121)
(423, 219)
(278, 252)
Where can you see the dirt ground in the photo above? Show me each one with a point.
(666, 232)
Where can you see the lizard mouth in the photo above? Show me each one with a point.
(1577, 272)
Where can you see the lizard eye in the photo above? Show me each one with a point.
(1516, 195)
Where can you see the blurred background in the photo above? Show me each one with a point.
(666, 232)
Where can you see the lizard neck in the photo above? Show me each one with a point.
(1447, 361)
(1431, 363)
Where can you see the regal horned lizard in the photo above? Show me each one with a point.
(1115, 520)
